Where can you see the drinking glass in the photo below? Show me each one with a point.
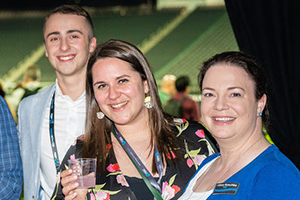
(85, 169)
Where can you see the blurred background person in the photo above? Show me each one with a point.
(167, 88)
(181, 105)
(234, 108)
(29, 85)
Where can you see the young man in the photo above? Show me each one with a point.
(10, 160)
(51, 120)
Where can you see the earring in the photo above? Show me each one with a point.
(100, 115)
(147, 102)
(260, 113)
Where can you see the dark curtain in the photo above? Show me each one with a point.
(269, 30)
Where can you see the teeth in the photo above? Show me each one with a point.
(119, 105)
(224, 119)
(66, 57)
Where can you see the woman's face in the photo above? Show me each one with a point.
(228, 106)
(119, 91)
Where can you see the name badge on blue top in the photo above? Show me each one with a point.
(226, 188)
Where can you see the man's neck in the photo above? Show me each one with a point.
(73, 87)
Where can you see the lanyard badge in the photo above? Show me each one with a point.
(52, 135)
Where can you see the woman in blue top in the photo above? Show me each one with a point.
(234, 109)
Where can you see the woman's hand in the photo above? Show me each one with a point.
(70, 186)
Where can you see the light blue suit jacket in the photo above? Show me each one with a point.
(30, 117)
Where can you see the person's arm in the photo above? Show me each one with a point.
(11, 176)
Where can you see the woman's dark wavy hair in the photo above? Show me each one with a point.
(98, 131)
(255, 72)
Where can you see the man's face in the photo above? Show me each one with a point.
(67, 43)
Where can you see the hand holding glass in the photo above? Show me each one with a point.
(85, 169)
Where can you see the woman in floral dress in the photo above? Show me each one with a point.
(124, 115)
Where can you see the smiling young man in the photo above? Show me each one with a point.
(50, 121)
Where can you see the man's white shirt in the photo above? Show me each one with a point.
(69, 123)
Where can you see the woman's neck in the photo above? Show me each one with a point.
(136, 135)
(137, 130)
(140, 141)
(243, 152)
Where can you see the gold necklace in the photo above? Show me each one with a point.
(229, 168)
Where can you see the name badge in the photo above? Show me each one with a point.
(226, 188)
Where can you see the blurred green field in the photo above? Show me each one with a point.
(177, 48)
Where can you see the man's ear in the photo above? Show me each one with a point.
(93, 45)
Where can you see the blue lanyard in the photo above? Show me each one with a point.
(52, 136)
(137, 162)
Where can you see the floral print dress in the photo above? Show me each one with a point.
(194, 145)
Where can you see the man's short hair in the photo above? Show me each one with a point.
(71, 10)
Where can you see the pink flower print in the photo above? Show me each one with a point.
(200, 133)
(173, 154)
(171, 157)
(113, 168)
(189, 162)
(102, 195)
(169, 192)
(121, 180)
(108, 147)
(92, 196)
(199, 159)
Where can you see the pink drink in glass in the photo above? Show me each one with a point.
(85, 169)
(86, 181)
